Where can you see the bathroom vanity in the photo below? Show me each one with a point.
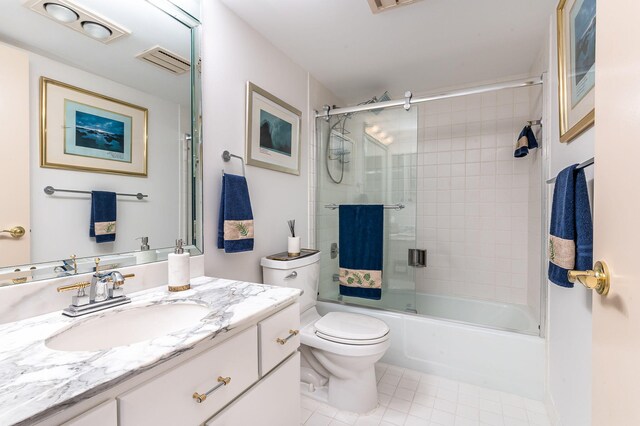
(234, 356)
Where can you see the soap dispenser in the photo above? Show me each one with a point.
(179, 269)
(145, 255)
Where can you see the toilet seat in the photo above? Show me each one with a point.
(351, 329)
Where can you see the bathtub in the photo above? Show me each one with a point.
(450, 346)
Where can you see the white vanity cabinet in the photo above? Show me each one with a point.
(275, 401)
(168, 399)
(262, 369)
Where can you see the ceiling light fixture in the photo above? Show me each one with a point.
(61, 13)
(79, 19)
(95, 30)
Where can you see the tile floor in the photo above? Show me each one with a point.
(411, 398)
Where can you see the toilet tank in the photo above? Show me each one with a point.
(301, 273)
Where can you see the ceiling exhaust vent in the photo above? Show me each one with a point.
(166, 60)
(378, 6)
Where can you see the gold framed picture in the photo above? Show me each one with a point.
(86, 131)
(576, 66)
(272, 132)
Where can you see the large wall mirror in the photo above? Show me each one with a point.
(97, 96)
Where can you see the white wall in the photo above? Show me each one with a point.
(60, 223)
(569, 310)
(232, 54)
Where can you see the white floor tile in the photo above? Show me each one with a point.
(410, 384)
(386, 389)
(444, 405)
(346, 417)
(421, 411)
(327, 410)
(405, 394)
(468, 412)
(442, 418)
(410, 398)
(318, 419)
(492, 419)
(461, 421)
(514, 412)
(394, 417)
(399, 405)
(305, 414)
(447, 394)
(415, 421)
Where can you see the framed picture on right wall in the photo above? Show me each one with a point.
(576, 66)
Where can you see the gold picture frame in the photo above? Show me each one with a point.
(576, 66)
(86, 131)
(272, 132)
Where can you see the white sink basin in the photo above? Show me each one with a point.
(126, 327)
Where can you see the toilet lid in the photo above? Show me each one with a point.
(349, 327)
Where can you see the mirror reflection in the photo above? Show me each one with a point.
(105, 158)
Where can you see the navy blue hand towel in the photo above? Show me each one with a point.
(526, 141)
(102, 224)
(361, 230)
(571, 230)
(235, 223)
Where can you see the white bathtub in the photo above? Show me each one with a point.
(503, 360)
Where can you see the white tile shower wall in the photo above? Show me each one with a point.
(473, 202)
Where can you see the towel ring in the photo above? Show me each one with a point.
(226, 156)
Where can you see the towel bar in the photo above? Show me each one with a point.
(50, 190)
(386, 206)
(582, 165)
(226, 156)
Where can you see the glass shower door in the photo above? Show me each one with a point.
(369, 158)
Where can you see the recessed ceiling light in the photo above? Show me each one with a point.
(96, 30)
(61, 13)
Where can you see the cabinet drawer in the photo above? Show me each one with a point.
(276, 337)
(105, 414)
(274, 401)
(168, 399)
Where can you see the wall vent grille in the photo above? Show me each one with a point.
(166, 60)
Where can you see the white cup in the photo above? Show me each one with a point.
(293, 246)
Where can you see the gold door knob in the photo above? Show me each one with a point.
(15, 232)
(596, 279)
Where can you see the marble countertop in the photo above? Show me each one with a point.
(36, 381)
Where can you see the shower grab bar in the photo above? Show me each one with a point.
(386, 206)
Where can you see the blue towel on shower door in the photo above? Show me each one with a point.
(360, 238)
(102, 224)
(571, 230)
(235, 222)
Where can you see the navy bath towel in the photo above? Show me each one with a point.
(102, 224)
(235, 223)
(571, 230)
(361, 230)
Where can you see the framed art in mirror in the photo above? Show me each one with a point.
(273, 132)
(576, 66)
(87, 131)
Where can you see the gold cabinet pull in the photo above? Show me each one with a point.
(201, 397)
(597, 279)
(16, 232)
(76, 286)
(292, 333)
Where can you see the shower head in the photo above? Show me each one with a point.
(383, 98)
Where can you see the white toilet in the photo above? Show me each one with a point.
(339, 350)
